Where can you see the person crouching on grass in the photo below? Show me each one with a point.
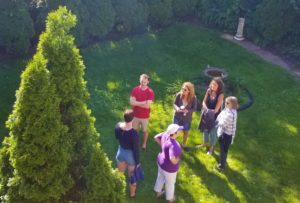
(168, 161)
(226, 128)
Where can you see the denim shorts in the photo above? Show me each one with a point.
(125, 155)
(186, 126)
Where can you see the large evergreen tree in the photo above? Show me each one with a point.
(16, 27)
(37, 149)
(51, 129)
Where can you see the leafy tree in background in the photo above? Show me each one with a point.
(184, 8)
(276, 20)
(131, 15)
(16, 27)
(160, 12)
(53, 153)
(223, 14)
(95, 18)
(99, 19)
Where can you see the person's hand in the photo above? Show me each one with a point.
(232, 139)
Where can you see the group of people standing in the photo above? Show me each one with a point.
(214, 123)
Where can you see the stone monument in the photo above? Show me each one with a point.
(239, 33)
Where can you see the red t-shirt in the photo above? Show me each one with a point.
(142, 95)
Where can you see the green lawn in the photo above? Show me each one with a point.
(264, 161)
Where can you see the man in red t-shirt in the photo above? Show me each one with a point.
(140, 99)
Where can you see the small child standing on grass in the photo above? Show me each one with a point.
(226, 129)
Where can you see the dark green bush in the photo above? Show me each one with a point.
(184, 8)
(223, 14)
(160, 12)
(276, 20)
(16, 27)
(95, 18)
(131, 15)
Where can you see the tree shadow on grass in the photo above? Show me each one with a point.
(242, 184)
(216, 185)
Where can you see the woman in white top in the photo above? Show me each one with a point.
(226, 128)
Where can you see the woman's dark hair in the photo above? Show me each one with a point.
(128, 115)
(220, 83)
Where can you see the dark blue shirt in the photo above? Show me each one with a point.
(128, 139)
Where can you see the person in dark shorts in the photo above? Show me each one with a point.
(128, 152)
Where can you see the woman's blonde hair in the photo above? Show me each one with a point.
(191, 90)
(233, 101)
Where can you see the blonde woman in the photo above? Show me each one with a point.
(226, 128)
(185, 104)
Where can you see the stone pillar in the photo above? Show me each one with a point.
(239, 33)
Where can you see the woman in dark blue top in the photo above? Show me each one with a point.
(128, 151)
(213, 100)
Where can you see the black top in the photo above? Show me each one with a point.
(212, 103)
(128, 139)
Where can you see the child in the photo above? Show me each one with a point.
(226, 128)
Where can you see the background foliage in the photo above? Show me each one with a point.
(272, 24)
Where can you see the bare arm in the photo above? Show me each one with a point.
(157, 140)
(219, 103)
(204, 100)
(148, 104)
(133, 102)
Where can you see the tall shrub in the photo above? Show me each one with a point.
(37, 149)
(16, 27)
(94, 179)
(53, 153)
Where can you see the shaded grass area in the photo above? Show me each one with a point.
(263, 162)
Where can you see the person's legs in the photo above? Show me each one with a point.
(132, 186)
(205, 140)
(170, 185)
(121, 160)
(185, 137)
(122, 166)
(213, 140)
(160, 181)
(135, 123)
(186, 128)
(222, 151)
(225, 141)
(205, 137)
(144, 123)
